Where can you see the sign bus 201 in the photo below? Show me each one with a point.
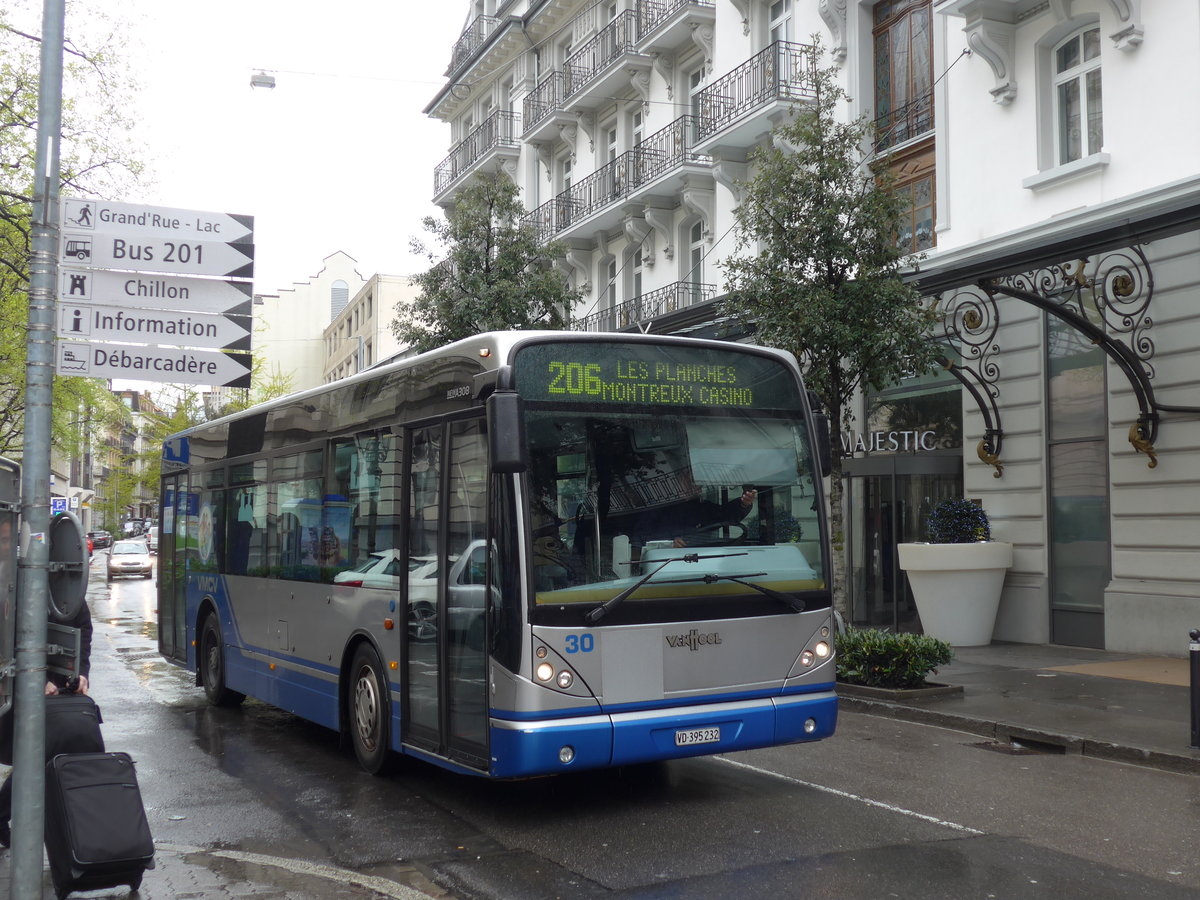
(182, 253)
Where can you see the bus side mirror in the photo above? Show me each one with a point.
(821, 418)
(506, 432)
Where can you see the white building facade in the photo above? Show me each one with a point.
(1059, 215)
(361, 334)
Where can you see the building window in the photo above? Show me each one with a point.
(1078, 113)
(695, 273)
(781, 20)
(903, 71)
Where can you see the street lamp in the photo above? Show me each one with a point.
(262, 79)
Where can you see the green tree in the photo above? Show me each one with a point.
(96, 159)
(818, 269)
(489, 272)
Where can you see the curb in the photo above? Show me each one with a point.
(1007, 733)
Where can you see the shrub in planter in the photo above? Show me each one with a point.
(958, 521)
(879, 658)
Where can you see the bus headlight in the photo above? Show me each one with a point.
(807, 658)
(544, 671)
(822, 650)
(565, 679)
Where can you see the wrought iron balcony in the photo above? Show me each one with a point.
(497, 130)
(543, 100)
(904, 122)
(667, 149)
(647, 307)
(549, 219)
(473, 37)
(784, 71)
(652, 13)
(613, 41)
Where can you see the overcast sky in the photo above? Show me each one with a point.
(338, 156)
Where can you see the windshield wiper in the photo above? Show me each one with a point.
(794, 602)
(607, 606)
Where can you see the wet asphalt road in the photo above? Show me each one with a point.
(885, 809)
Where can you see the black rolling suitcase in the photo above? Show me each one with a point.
(97, 835)
(72, 725)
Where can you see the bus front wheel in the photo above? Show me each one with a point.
(369, 706)
(212, 661)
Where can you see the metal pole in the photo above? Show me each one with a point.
(29, 745)
(1194, 655)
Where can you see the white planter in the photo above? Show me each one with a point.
(957, 588)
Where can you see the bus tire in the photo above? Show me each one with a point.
(212, 659)
(370, 704)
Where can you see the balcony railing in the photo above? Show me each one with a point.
(904, 122)
(783, 71)
(549, 219)
(666, 149)
(473, 37)
(498, 129)
(651, 12)
(543, 99)
(612, 42)
(669, 299)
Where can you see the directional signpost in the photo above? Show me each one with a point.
(125, 289)
(171, 364)
(155, 293)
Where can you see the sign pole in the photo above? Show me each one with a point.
(29, 745)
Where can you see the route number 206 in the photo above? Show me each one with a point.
(574, 378)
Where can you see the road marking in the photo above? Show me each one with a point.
(847, 795)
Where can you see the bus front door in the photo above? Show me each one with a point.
(446, 660)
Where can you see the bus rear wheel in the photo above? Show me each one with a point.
(369, 707)
(212, 662)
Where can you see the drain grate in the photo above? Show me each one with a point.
(1023, 747)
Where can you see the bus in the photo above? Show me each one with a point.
(522, 554)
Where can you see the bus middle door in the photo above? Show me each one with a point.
(445, 686)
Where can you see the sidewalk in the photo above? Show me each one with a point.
(1119, 706)
(189, 873)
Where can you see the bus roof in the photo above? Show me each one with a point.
(492, 347)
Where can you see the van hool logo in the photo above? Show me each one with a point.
(693, 639)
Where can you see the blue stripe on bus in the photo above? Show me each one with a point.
(669, 703)
(597, 742)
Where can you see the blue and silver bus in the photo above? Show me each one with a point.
(524, 553)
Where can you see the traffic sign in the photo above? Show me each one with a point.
(151, 326)
(204, 295)
(58, 505)
(169, 364)
(186, 256)
(140, 220)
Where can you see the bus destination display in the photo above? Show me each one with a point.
(653, 375)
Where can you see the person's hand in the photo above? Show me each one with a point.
(51, 688)
(748, 497)
(83, 685)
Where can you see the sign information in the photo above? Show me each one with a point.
(182, 329)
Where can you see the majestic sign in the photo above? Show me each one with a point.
(185, 255)
(170, 292)
(176, 365)
(135, 219)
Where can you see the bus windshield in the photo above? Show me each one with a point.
(707, 505)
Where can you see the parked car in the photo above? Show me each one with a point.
(100, 539)
(152, 538)
(129, 558)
